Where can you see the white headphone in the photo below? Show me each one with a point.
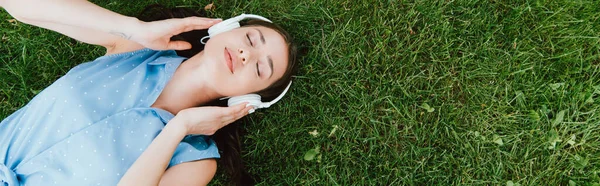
(230, 24)
(253, 100)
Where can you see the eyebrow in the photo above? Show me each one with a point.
(262, 39)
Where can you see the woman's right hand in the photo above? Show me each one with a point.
(207, 120)
(157, 34)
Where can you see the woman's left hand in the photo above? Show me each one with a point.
(207, 120)
(157, 34)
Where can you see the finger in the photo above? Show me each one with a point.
(200, 22)
(195, 27)
(241, 113)
(189, 25)
(203, 18)
(178, 45)
(232, 113)
(237, 116)
(244, 112)
(189, 28)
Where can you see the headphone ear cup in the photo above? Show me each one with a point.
(253, 100)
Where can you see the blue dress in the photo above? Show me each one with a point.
(89, 126)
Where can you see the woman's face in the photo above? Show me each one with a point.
(245, 60)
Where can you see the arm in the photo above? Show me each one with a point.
(92, 24)
(149, 168)
(78, 19)
(112, 43)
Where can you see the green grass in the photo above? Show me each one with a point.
(513, 89)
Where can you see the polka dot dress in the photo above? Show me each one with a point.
(89, 126)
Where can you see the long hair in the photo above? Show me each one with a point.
(227, 138)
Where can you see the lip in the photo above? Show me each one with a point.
(228, 59)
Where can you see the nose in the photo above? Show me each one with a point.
(244, 55)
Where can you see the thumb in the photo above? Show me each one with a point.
(178, 45)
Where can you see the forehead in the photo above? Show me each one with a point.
(269, 33)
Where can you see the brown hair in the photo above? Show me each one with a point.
(227, 138)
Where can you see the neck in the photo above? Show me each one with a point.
(185, 91)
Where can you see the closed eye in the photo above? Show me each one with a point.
(249, 40)
(257, 70)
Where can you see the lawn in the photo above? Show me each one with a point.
(465, 92)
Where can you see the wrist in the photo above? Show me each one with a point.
(176, 127)
(129, 29)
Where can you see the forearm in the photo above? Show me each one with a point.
(76, 13)
(149, 168)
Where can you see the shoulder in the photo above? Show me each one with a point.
(190, 173)
(138, 56)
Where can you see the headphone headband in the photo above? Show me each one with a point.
(250, 16)
(230, 24)
(267, 105)
(254, 100)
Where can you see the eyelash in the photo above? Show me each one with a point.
(257, 70)
(249, 40)
(252, 44)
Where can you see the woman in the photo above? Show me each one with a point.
(128, 117)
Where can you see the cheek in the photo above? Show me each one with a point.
(239, 86)
(243, 85)
(229, 85)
